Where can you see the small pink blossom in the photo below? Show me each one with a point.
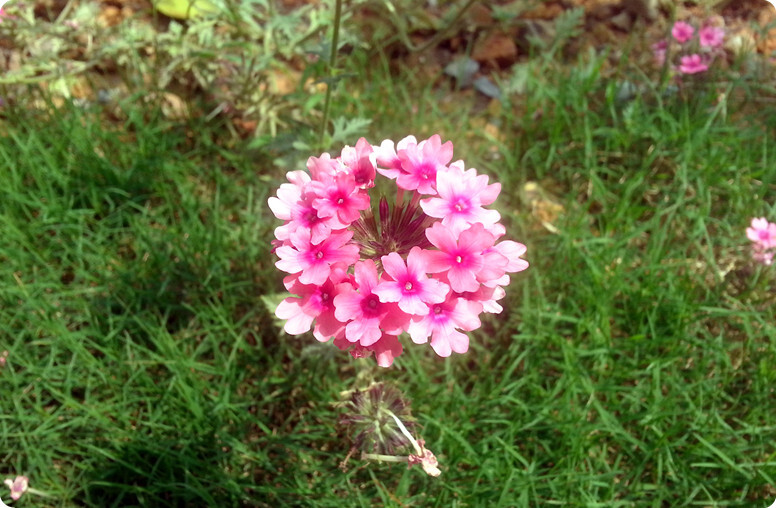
(711, 36)
(762, 232)
(682, 32)
(313, 303)
(295, 205)
(313, 262)
(3, 358)
(420, 164)
(339, 197)
(763, 237)
(409, 286)
(388, 160)
(442, 323)
(363, 311)
(659, 50)
(461, 197)
(692, 64)
(18, 486)
(360, 163)
(461, 258)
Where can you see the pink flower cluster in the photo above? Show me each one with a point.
(428, 261)
(763, 237)
(694, 56)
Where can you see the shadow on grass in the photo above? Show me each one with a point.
(176, 471)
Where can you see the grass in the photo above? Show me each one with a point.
(632, 366)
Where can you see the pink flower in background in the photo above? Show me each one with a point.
(18, 486)
(659, 50)
(762, 234)
(692, 64)
(364, 272)
(682, 32)
(711, 36)
(694, 55)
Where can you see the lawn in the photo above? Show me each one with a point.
(632, 365)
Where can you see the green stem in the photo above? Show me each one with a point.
(332, 66)
(383, 458)
(404, 36)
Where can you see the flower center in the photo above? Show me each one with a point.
(458, 259)
(319, 255)
(392, 227)
(408, 286)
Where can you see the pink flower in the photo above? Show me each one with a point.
(421, 162)
(386, 349)
(763, 236)
(314, 303)
(692, 64)
(363, 311)
(762, 232)
(339, 197)
(295, 205)
(461, 196)
(442, 322)
(462, 258)
(360, 163)
(313, 262)
(410, 287)
(18, 486)
(385, 156)
(682, 32)
(425, 262)
(711, 36)
(659, 50)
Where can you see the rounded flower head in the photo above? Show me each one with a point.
(364, 272)
(762, 232)
(711, 36)
(682, 32)
(692, 64)
(763, 237)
